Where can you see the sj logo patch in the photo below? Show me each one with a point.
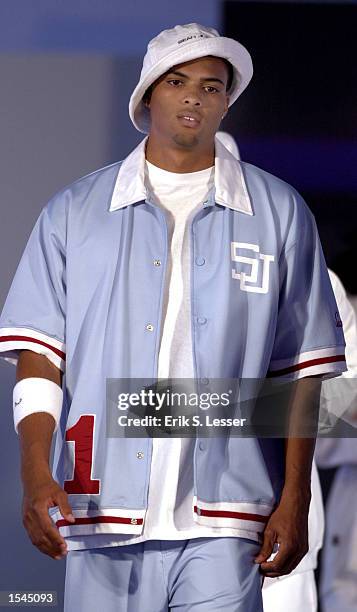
(254, 276)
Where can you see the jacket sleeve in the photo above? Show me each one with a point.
(309, 338)
(34, 313)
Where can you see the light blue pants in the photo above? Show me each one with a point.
(200, 574)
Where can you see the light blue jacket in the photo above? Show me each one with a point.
(88, 294)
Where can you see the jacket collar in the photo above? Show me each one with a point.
(230, 187)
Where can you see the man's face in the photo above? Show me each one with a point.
(187, 103)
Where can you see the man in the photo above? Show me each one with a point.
(177, 263)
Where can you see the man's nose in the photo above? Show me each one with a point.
(192, 96)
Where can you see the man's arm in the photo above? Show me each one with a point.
(288, 524)
(40, 490)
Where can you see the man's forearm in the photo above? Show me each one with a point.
(298, 457)
(35, 434)
(299, 450)
(288, 524)
(36, 430)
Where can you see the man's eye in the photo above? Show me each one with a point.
(211, 89)
(174, 82)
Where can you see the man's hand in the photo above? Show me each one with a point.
(287, 526)
(42, 492)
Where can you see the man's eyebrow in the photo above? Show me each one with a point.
(185, 76)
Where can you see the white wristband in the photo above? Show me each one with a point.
(36, 395)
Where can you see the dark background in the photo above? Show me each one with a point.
(297, 119)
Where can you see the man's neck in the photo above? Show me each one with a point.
(178, 159)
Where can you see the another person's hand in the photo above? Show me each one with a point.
(287, 527)
(42, 492)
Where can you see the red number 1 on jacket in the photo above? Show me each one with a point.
(82, 434)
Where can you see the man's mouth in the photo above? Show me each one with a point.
(189, 120)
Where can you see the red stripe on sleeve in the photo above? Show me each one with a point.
(306, 364)
(34, 340)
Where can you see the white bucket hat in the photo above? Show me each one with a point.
(182, 44)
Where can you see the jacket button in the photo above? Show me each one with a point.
(201, 320)
(201, 445)
(157, 262)
(150, 327)
(205, 381)
(140, 455)
(134, 521)
(200, 261)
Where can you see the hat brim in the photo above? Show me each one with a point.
(226, 48)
